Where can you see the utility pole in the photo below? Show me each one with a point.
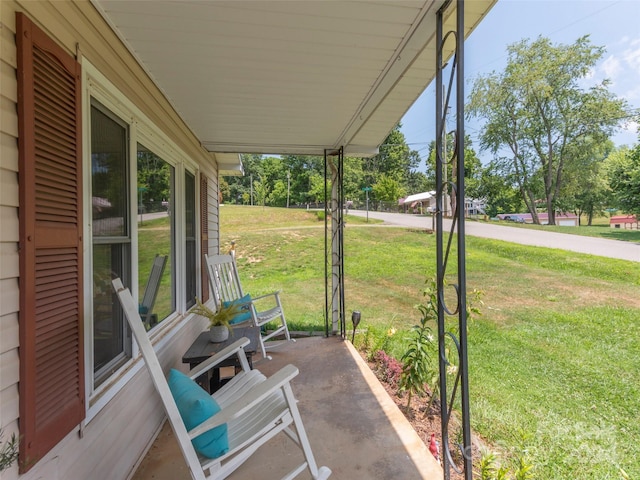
(366, 190)
(288, 186)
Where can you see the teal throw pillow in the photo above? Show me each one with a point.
(245, 312)
(195, 406)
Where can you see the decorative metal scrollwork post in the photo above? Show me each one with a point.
(334, 246)
(452, 335)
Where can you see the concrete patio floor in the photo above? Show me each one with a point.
(353, 425)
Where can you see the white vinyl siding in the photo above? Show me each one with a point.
(95, 449)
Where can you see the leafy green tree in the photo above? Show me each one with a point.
(353, 178)
(499, 191)
(278, 194)
(154, 178)
(223, 187)
(316, 192)
(260, 191)
(240, 185)
(388, 189)
(417, 182)
(623, 172)
(586, 189)
(302, 169)
(395, 160)
(536, 112)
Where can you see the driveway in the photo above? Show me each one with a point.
(537, 238)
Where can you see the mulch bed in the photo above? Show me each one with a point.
(423, 417)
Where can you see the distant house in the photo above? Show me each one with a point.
(624, 221)
(475, 206)
(562, 219)
(425, 201)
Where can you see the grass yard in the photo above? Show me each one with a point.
(555, 370)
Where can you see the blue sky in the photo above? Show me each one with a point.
(614, 25)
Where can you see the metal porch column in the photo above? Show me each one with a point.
(452, 335)
(334, 242)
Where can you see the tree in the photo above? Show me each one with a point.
(353, 178)
(623, 172)
(260, 191)
(303, 168)
(536, 114)
(498, 190)
(240, 186)
(316, 191)
(395, 160)
(586, 189)
(278, 195)
(388, 189)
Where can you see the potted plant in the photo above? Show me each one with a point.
(219, 320)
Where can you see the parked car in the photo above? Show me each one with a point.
(514, 218)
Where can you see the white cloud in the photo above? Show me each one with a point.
(611, 67)
(630, 127)
(631, 56)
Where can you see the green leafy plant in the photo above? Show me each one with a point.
(417, 369)
(8, 451)
(222, 316)
(490, 470)
(377, 338)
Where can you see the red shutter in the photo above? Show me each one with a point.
(51, 333)
(204, 234)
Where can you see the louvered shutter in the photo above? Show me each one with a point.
(51, 337)
(204, 234)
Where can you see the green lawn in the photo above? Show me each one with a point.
(553, 357)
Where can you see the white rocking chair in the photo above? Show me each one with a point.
(226, 287)
(255, 408)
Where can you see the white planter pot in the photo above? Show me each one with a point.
(218, 333)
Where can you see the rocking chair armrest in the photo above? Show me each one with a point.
(248, 401)
(236, 348)
(272, 294)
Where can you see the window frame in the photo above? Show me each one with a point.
(144, 131)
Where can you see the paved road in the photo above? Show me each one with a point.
(575, 243)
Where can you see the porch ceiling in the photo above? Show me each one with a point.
(281, 77)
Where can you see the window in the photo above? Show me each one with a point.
(111, 239)
(156, 227)
(142, 195)
(190, 238)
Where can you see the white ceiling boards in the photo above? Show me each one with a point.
(286, 76)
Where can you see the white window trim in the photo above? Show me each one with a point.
(142, 130)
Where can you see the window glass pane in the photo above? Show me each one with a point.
(111, 345)
(156, 229)
(190, 237)
(110, 205)
(111, 241)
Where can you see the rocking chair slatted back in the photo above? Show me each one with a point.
(265, 309)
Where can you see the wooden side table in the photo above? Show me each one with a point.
(202, 348)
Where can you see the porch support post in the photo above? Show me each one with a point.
(334, 160)
(452, 336)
